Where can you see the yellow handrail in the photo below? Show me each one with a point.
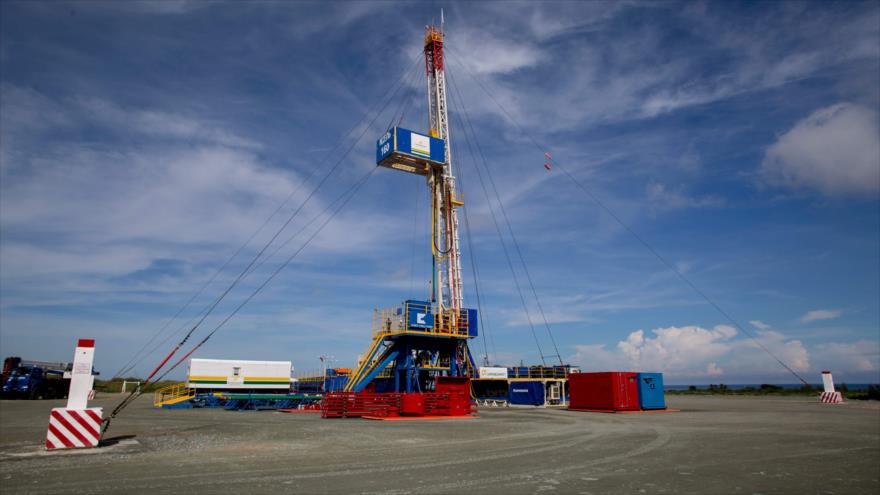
(177, 392)
(363, 365)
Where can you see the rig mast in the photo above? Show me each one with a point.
(419, 342)
(447, 285)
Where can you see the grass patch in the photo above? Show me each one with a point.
(872, 392)
(114, 386)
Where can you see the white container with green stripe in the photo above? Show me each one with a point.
(233, 374)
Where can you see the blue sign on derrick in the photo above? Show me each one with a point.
(419, 315)
(410, 151)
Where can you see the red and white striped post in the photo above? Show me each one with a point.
(829, 396)
(77, 426)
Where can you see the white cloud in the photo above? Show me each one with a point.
(615, 78)
(863, 356)
(760, 325)
(660, 195)
(489, 54)
(820, 314)
(76, 216)
(693, 352)
(676, 348)
(835, 150)
(712, 369)
(162, 123)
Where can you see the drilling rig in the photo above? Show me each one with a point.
(420, 340)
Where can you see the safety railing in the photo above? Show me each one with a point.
(317, 378)
(173, 394)
(394, 321)
(538, 372)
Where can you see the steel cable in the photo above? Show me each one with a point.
(501, 238)
(632, 232)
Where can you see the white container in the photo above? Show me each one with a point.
(230, 374)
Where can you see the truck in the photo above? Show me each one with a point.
(25, 379)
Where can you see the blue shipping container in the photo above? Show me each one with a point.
(335, 383)
(406, 142)
(651, 391)
(526, 393)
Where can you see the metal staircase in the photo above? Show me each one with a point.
(173, 394)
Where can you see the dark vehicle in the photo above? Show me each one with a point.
(34, 379)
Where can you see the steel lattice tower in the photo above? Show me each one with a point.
(420, 341)
(447, 284)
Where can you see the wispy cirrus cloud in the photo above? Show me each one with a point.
(660, 196)
(760, 325)
(820, 314)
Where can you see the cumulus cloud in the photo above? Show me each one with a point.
(676, 348)
(694, 352)
(820, 314)
(835, 150)
(863, 356)
(712, 369)
(760, 325)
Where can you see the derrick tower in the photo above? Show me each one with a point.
(420, 340)
(446, 254)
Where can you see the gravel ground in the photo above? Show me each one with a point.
(714, 445)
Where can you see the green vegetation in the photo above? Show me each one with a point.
(114, 386)
(872, 393)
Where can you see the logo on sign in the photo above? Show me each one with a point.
(420, 319)
(420, 145)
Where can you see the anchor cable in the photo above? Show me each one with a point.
(632, 232)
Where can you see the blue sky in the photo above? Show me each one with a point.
(142, 143)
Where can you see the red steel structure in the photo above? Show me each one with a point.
(433, 50)
(450, 398)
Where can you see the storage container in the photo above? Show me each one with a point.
(410, 151)
(651, 391)
(606, 391)
(335, 383)
(233, 374)
(526, 393)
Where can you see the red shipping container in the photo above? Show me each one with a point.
(607, 391)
